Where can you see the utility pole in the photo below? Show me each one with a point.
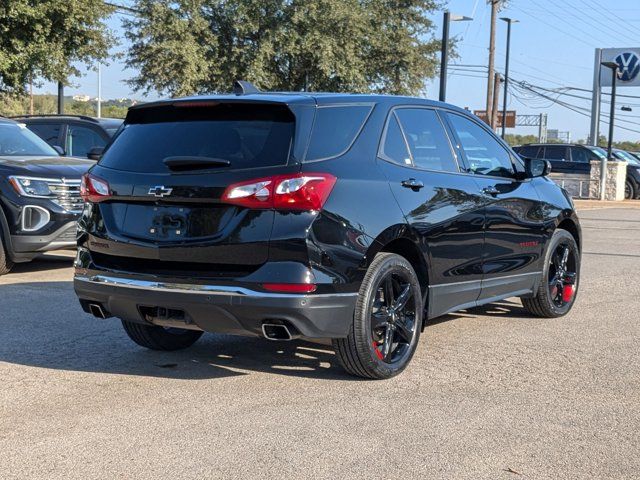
(493, 120)
(506, 73)
(495, 5)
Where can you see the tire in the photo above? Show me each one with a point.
(364, 351)
(549, 302)
(5, 263)
(629, 190)
(159, 338)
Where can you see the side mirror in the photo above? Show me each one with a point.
(95, 153)
(536, 167)
(58, 149)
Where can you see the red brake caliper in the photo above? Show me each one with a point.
(569, 288)
(378, 352)
(567, 293)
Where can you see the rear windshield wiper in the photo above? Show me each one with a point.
(186, 162)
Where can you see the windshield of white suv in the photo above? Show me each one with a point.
(17, 140)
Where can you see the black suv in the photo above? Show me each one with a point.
(284, 215)
(39, 196)
(73, 135)
(576, 158)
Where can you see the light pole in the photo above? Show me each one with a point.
(444, 55)
(614, 76)
(60, 98)
(99, 99)
(506, 72)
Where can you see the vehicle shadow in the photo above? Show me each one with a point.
(42, 325)
(43, 263)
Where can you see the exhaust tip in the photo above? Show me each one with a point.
(272, 331)
(97, 310)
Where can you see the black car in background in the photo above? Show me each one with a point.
(576, 158)
(349, 217)
(73, 135)
(39, 196)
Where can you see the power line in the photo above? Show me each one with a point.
(577, 109)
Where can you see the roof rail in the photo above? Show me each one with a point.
(36, 115)
(241, 87)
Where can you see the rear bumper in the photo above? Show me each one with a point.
(219, 309)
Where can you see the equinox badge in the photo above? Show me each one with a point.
(160, 191)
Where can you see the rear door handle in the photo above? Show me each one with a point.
(413, 184)
(492, 190)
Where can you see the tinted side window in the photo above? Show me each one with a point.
(529, 151)
(82, 139)
(582, 155)
(394, 147)
(484, 153)
(428, 142)
(49, 132)
(555, 153)
(335, 129)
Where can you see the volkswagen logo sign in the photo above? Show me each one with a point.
(629, 66)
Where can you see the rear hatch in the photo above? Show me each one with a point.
(167, 171)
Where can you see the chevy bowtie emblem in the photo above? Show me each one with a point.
(160, 191)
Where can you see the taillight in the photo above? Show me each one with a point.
(303, 191)
(94, 189)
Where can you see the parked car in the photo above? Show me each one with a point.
(576, 158)
(39, 196)
(75, 135)
(350, 217)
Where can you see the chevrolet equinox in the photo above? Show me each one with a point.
(285, 215)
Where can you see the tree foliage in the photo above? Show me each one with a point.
(13, 105)
(183, 47)
(45, 38)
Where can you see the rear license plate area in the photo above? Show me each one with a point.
(172, 223)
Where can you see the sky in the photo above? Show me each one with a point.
(552, 47)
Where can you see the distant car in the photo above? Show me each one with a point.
(73, 135)
(39, 196)
(576, 158)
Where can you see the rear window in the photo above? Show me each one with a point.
(247, 135)
(335, 129)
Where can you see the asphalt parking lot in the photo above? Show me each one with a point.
(490, 394)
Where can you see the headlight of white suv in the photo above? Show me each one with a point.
(31, 187)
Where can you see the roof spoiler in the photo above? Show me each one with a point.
(241, 87)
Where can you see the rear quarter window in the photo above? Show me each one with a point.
(335, 129)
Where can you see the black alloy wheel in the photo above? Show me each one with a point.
(558, 286)
(393, 318)
(387, 320)
(562, 275)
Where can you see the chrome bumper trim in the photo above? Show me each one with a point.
(193, 288)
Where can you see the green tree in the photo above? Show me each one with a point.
(516, 139)
(182, 47)
(45, 39)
